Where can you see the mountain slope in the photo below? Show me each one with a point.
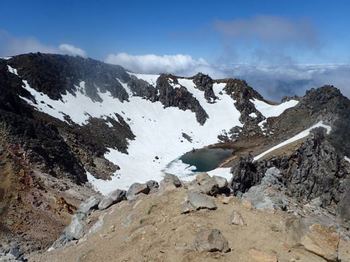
(66, 121)
(146, 115)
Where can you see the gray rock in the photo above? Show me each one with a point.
(89, 204)
(152, 185)
(75, 230)
(236, 219)
(272, 177)
(206, 184)
(264, 197)
(11, 252)
(8, 258)
(112, 198)
(211, 240)
(221, 181)
(98, 224)
(170, 179)
(136, 189)
(202, 178)
(209, 187)
(198, 200)
(186, 207)
(344, 208)
(270, 193)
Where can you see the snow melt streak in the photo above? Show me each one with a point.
(301, 135)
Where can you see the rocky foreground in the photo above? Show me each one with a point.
(195, 221)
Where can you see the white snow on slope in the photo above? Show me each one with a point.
(78, 107)
(273, 110)
(158, 133)
(347, 159)
(12, 70)
(301, 135)
(158, 130)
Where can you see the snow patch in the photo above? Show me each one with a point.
(301, 135)
(347, 159)
(221, 171)
(180, 169)
(12, 70)
(273, 110)
(269, 110)
(253, 115)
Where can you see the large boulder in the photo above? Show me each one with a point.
(316, 238)
(211, 240)
(196, 201)
(205, 184)
(136, 189)
(88, 205)
(344, 250)
(270, 193)
(221, 181)
(152, 185)
(112, 198)
(322, 241)
(202, 178)
(170, 182)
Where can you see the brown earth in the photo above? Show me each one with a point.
(34, 207)
(152, 228)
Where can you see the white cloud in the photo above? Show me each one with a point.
(154, 64)
(272, 81)
(11, 45)
(72, 50)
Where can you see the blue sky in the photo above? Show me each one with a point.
(210, 36)
(164, 27)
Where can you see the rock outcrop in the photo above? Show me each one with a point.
(196, 201)
(205, 83)
(112, 198)
(314, 170)
(177, 96)
(211, 240)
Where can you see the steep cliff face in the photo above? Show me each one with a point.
(39, 138)
(315, 170)
(55, 75)
(322, 104)
(172, 94)
(205, 83)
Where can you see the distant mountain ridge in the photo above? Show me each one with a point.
(57, 78)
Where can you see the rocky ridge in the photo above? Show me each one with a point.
(157, 228)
